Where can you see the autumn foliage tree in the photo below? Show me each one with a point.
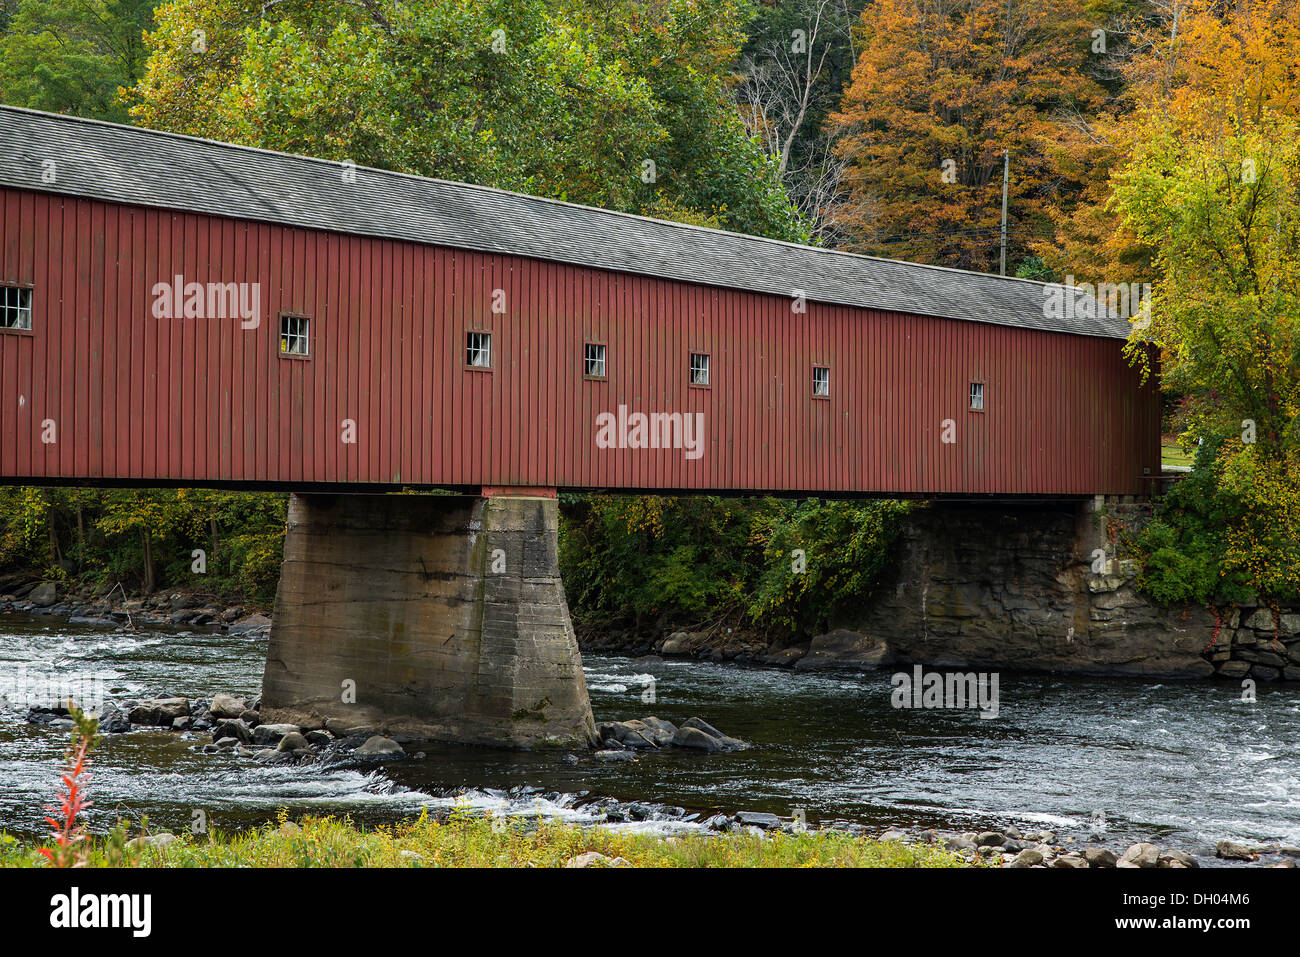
(1211, 184)
(939, 91)
(1163, 57)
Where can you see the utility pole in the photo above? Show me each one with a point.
(1006, 178)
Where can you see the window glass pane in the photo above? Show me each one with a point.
(478, 350)
(293, 335)
(699, 368)
(977, 395)
(15, 308)
(821, 381)
(594, 360)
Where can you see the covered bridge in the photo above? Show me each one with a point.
(180, 311)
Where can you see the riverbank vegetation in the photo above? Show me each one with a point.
(775, 566)
(465, 840)
(222, 543)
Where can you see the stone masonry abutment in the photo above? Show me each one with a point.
(429, 617)
(1040, 587)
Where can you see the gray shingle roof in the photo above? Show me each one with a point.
(126, 164)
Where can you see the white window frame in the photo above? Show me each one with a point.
(821, 386)
(977, 396)
(478, 349)
(15, 308)
(698, 374)
(594, 355)
(295, 336)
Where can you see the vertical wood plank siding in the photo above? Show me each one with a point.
(203, 401)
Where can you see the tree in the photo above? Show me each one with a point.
(1164, 56)
(483, 92)
(614, 105)
(792, 74)
(778, 566)
(150, 517)
(1212, 186)
(939, 91)
(72, 56)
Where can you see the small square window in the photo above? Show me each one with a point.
(977, 396)
(821, 382)
(478, 350)
(293, 335)
(593, 360)
(15, 307)
(699, 368)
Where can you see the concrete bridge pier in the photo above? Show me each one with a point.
(430, 617)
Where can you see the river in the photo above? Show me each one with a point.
(1183, 764)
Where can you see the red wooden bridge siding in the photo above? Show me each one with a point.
(202, 401)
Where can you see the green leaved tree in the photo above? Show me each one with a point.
(619, 106)
(72, 56)
(1215, 191)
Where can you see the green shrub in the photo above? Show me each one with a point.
(1185, 550)
(664, 561)
(146, 537)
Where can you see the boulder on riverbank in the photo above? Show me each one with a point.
(844, 649)
(650, 734)
(227, 706)
(44, 594)
(159, 712)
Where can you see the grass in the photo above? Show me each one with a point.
(473, 841)
(1172, 453)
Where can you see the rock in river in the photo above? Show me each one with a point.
(292, 741)
(1232, 851)
(113, 720)
(227, 706)
(270, 734)
(759, 819)
(233, 729)
(1100, 857)
(1140, 855)
(702, 736)
(378, 746)
(160, 711)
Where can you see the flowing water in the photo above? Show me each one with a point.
(1181, 763)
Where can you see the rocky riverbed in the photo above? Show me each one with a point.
(1163, 761)
(84, 605)
(228, 723)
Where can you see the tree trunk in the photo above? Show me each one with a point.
(148, 562)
